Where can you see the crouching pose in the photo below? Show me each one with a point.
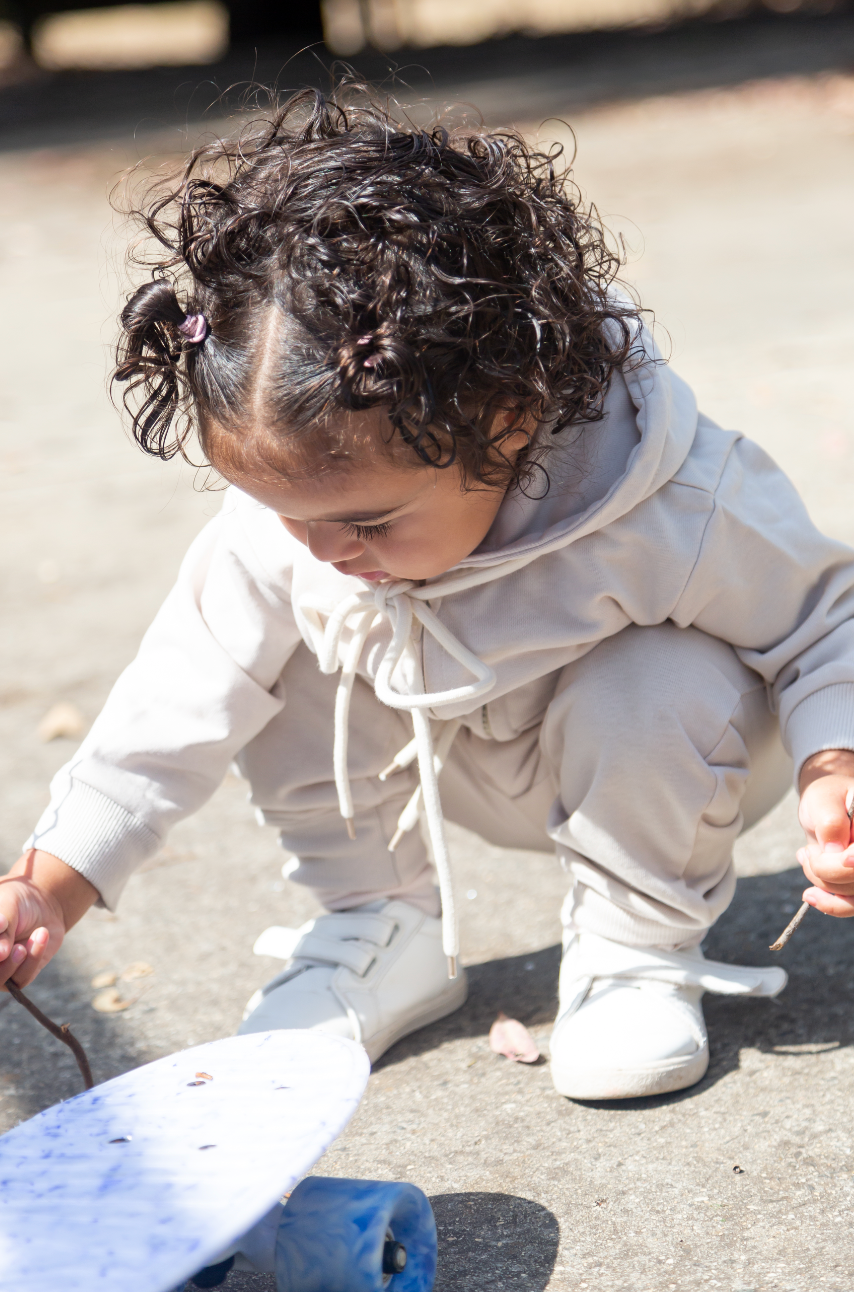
(481, 560)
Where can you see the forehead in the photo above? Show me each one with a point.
(363, 493)
(314, 477)
(342, 444)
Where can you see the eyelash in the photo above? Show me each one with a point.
(366, 532)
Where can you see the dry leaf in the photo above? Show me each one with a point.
(106, 979)
(110, 1002)
(509, 1037)
(63, 720)
(139, 969)
(207, 1076)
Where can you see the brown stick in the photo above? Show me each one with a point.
(789, 929)
(62, 1033)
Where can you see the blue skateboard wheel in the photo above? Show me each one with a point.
(356, 1236)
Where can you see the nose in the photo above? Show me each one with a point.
(327, 541)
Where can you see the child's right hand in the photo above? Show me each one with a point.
(40, 899)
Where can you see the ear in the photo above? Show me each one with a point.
(520, 438)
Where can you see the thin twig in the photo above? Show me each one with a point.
(62, 1033)
(789, 929)
(793, 923)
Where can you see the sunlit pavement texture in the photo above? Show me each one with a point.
(735, 204)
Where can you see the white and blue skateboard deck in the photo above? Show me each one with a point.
(137, 1184)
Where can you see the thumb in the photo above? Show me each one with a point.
(830, 820)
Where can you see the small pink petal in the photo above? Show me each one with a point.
(511, 1038)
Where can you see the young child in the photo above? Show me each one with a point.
(481, 557)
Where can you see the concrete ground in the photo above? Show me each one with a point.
(735, 207)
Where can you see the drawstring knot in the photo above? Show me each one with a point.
(400, 603)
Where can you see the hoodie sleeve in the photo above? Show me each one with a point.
(205, 682)
(767, 581)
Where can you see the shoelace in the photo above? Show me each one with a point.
(400, 603)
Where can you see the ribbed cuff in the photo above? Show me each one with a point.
(824, 720)
(95, 837)
(593, 913)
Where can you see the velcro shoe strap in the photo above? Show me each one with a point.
(353, 955)
(368, 926)
(598, 957)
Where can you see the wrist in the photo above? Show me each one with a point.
(68, 892)
(827, 762)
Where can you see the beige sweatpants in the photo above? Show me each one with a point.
(654, 751)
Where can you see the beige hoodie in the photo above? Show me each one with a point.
(654, 514)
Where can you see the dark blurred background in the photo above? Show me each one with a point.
(68, 72)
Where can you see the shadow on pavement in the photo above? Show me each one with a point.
(525, 987)
(36, 1070)
(512, 79)
(486, 1240)
(494, 1240)
(814, 1010)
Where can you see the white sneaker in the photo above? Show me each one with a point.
(373, 974)
(630, 1021)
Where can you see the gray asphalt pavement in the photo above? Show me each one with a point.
(735, 207)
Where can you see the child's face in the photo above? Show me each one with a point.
(381, 517)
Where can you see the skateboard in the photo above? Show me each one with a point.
(195, 1165)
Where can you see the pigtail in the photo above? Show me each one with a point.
(148, 359)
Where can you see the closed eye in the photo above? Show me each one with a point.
(365, 533)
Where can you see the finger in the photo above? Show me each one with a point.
(37, 942)
(7, 939)
(825, 867)
(828, 815)
(13, 962)
(819, 854)
(29, 969)
(838, 904)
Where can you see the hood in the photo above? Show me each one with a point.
(602, 470)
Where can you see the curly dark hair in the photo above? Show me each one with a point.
(345, 260)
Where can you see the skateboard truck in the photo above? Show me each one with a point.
(394, 1257)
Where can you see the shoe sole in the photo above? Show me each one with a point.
(449, 1001)
(610, 1083)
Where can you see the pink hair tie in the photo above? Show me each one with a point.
(194, 328)
(372, 359)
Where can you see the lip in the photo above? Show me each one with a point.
(373, 576)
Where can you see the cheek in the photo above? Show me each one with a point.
(437, 540)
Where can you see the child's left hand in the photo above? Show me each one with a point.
(828, 857)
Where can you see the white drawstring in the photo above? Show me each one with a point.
(399, 602)
(408, 818)
(341, 726)
(406, 755)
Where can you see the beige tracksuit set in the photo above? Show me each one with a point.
(625, 670)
